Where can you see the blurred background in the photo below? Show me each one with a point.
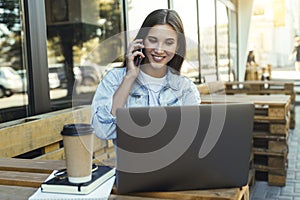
(55, 52)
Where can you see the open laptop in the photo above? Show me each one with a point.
(183, 148)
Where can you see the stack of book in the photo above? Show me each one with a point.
(56, 188)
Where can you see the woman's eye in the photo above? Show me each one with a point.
(152, 40)
(170, 42)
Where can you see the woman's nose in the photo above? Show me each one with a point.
(159, 48)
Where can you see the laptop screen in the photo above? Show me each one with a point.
(185, 147)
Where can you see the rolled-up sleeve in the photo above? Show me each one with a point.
(103, 122)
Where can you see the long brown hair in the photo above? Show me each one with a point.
(170, 17)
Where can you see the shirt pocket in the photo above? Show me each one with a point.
(137, 100)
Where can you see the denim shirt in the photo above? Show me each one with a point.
(177, 91)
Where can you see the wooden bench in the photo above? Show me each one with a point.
(39, 137)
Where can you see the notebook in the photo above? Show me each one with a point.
(62, 185)
(100, 193)
(183, 148)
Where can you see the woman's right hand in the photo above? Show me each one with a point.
(132, 70)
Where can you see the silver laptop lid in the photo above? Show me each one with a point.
(181, 148)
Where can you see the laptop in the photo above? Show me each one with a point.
(183, 148)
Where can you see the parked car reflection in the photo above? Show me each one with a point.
(10, 82)
(92, 73)
(59, 70)
(53, 80)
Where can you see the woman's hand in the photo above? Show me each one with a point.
(132, 70)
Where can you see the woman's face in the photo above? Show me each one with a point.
(160, 45)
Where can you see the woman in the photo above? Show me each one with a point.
(154, 82)
(297, 54)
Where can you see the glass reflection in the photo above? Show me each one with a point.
(223, 48)
(75, 32)
(188, 14)
(139, 9)
(207, 40)
(13, 81)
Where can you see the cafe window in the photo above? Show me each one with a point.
(83, 41)
(222, 44)
(188, 13)
(138, 11)
(13, 74)
(207, 40)
(233, 59)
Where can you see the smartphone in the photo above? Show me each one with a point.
(137, 60)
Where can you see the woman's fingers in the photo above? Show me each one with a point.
(135, 45)
(133, 51)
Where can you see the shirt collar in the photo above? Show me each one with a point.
(171, 81)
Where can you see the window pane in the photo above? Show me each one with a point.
(223, 53)
(138, 11)
(207, 39)
(188, 13)
(233, 44)
(13, 82)
(83, 39)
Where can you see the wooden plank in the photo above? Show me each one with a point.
(274, 100)
(44, 130)
(272, 170)
(127, 197)
(272, 127)
(215, 87)
(270, 162)
(267, 152)
(51, 147)
(28, 165)
(274, 143)
(274, 178)
(212, 194)
(58, 154)
(275, 85)
(25, 179)
(54, 155)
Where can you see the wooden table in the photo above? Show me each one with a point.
(20, 178)
(276, 106)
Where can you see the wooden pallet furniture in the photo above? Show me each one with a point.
(252, 88)
(270, 133)
(39, 137)
(215, 87)
(264, 88)
(20, 178)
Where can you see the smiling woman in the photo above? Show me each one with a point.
(155, 82)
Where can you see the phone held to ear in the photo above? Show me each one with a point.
(137, 60)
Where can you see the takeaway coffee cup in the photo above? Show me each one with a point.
(78, 145)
